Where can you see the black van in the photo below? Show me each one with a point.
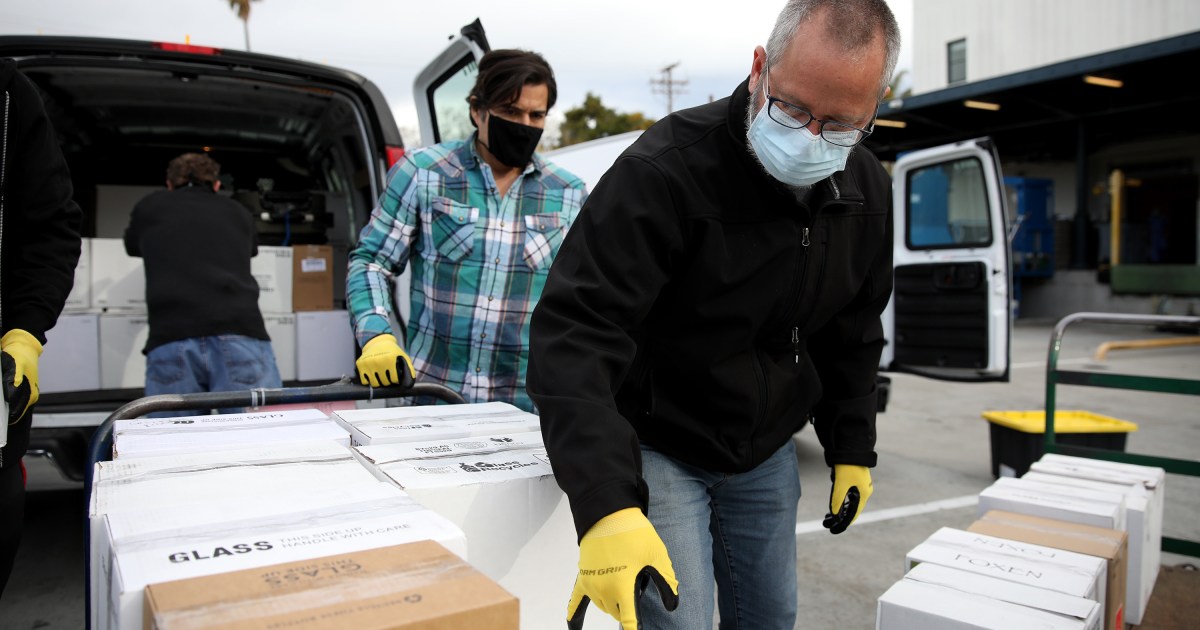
(305, 147)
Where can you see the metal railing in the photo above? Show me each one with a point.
(1155, 384)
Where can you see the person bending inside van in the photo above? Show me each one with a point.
(480, 221)
(206, 332)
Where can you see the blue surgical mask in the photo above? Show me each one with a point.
(794, 156)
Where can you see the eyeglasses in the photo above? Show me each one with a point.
(796, 117)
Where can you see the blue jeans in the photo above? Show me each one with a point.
(737, 530)
(221, 363)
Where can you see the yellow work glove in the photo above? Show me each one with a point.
(851, 489)
(19, 364)
(618, 557)
(384, 363)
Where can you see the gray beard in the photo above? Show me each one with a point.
(800, 192)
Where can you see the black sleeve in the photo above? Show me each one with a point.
(846, 353)
(41, 226)
(133, 233)
(604, 280)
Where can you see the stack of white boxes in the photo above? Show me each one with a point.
(193, 503)
(485, 468)
(98, 340)
(1080, 494)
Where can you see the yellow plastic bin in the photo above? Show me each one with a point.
(1017, 436)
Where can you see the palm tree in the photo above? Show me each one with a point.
(897, 79)
(243, 13)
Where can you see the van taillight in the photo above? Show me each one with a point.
(394, 154)
(186, 48)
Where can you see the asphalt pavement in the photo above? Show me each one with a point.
(934, 458)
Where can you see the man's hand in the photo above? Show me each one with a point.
(851, 489)
(618, 556)
(19, 365)
(384, 363)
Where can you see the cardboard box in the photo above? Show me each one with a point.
(501, 491)
(1045, 574)
(312, 278)
(1021, 552)
(932, 597)
(434, 422)
(229, 483)
(272, 270)
(1143, 501)
(324, 345)
(1015, 495)
(122, 337)
(281, 327)
(80, 297)
(298, 535)
(70, 361)
(416, 586)
(118, 279)
(1109, 544)
(143, 437)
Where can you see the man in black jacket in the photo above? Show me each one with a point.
(39, 248)
(723, 286)
(206, 331)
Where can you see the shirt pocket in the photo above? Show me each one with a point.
(543, 236)
(453, 228)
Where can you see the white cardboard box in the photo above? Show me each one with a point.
(1078, 562)
(1024, 499)
(298, 535)
(1144, 504)
(118, 279)
(932, 597)
(145, 437)
(1039, 573)
(237, 477)
(80, 298)
(281, 327)
(500, 490)
(324, 345)
(434, 422)
(70, 361)
(122, 337)
(272, 269)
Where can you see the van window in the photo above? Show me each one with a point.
(948, 206)
(448, 100)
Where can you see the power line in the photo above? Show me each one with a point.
(669, 86)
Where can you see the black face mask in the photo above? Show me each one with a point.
(512, 143)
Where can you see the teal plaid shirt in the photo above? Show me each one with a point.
(479, 263)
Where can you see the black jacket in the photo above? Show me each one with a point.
(39, 224)
(197, 247)
(697, 306)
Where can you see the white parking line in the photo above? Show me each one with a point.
(1042, 364)
(897, 512)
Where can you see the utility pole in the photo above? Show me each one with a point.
(668, 86)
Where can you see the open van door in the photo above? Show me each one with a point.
(441, 88)
(440, 93)
(950, 313)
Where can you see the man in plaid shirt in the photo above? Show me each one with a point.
(480, 221)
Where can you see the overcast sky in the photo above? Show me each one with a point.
(612, 48)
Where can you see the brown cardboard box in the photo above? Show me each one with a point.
(312, 278)
(418, 586)
(1110, 544)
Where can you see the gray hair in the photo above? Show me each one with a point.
(854, 23)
